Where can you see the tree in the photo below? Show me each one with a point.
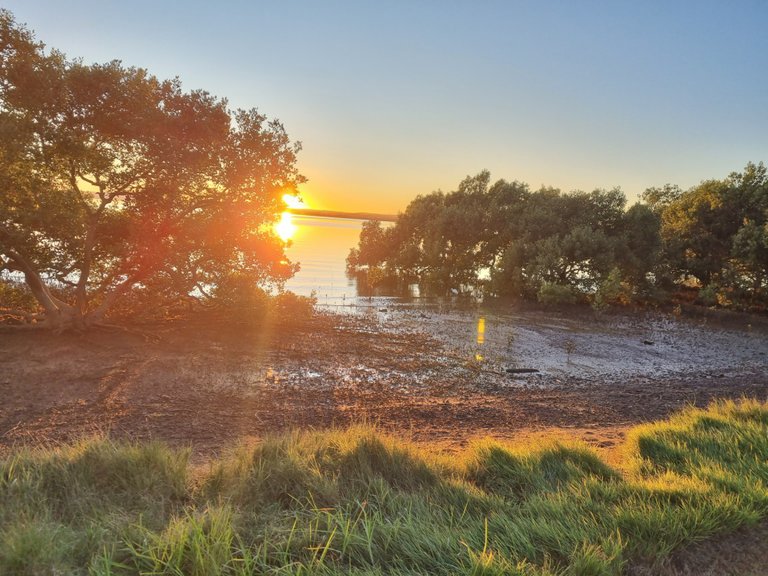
(659, 198)
(713, 231)
(437, 241)
(697, 231)
(750, 255)
(579, 259)
(374, 246)
(640, 248)
(115, 183)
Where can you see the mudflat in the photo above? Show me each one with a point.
(442, 377)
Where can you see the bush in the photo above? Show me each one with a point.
(15, 296)
(551, 294)
(708, 295)
(290, 305)
(612, 291)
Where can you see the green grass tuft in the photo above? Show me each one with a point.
(357, 502)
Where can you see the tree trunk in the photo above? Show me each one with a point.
(58, 315)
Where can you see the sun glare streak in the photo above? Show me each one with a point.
(285, 229)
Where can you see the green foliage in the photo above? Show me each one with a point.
(716, 233)
(709, 295)
(639, 253)
(16, 301)
(749, 252)
(114, 184)
(505, 240)
(658, 199)
(374, 246)
(357, 502)
(239, 299)
(239, 292)
(612, 291)
(551, 294)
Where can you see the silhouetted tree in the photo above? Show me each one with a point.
(114, 183)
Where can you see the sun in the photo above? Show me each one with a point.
(285, 228)
(292, 201)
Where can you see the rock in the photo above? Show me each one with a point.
(648, 342)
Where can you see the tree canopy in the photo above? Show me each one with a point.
(503, 239)
(117, 188)
(716, 234)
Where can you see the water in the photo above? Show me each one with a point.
(557, 345)
(320, 246)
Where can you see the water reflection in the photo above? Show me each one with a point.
(481, 330)
(480, 339)
(368, 287)
(321, 245)
(285, 228)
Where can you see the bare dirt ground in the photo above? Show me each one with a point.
(435, 376)
(207, 383)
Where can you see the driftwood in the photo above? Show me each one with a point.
(521, 370)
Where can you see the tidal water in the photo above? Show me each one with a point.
(320, 246)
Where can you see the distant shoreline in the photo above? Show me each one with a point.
(347, 215)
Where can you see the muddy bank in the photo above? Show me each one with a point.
(206, 383)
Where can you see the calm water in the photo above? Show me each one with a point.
(320, 246)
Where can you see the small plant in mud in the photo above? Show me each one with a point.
(475, 360)
(570, 347)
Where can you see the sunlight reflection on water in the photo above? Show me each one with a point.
(321, 246)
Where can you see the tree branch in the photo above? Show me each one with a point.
(110, 297)
(16, 313)
(73, 182)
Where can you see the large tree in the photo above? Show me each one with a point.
(114, 183)
(505, 240)
(715, 232)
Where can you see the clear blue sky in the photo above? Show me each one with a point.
(396, 98)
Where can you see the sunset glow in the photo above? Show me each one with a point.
(285, 228)
(385, 288)
(292, 201)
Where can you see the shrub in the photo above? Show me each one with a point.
(551, 294)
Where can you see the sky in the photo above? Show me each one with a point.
(391, 99)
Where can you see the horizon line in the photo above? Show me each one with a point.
(341, 214)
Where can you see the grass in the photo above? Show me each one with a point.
(360, 503)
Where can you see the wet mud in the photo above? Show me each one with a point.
(437, 377)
